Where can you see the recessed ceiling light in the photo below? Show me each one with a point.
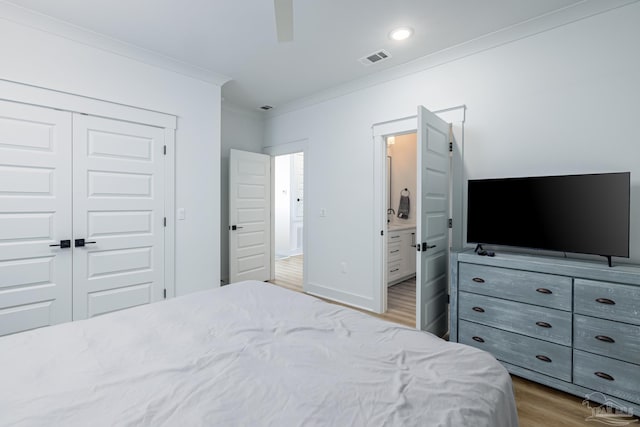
(401, 33)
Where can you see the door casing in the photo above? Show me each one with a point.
(299, 146)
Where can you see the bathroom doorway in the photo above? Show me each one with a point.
(289, 219)
(401, 185)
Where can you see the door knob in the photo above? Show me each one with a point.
(63, 244)
(81, 242)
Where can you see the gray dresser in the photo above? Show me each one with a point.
(570, 324)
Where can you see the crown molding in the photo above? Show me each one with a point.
(38, 21)
(529, 28)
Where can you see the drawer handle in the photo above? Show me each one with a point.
(397, 250)
(543, 358)
(543, 324)
(478, 309)
(605, 301)
(477, 339)
(394, 270)
(395, 237)
(544, 291)
(478, 280)
(605, 338)
(604, 376)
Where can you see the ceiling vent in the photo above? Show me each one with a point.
(266, 107)
(375, 57)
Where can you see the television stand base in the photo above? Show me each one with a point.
(608, 257)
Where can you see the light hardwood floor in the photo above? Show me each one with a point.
(538, 406)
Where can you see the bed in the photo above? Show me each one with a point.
(249, 354)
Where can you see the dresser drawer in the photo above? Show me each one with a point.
(547, 290)
(530, 353)
(613, 339)
(608, 376)
(539, 322)
(607, 300)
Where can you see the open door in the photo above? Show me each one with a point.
(249, 216)
(433, 223)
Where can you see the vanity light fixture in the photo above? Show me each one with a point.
(401, 33)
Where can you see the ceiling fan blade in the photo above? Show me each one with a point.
(284, 19)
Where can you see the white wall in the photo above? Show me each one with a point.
(42, 59)
(404, 173)
(241, 130)
(562, 101)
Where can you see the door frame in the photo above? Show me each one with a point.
(380, 132)
(298, 146)
(50, 98)
(401, 126)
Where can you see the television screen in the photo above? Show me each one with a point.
(586, 214)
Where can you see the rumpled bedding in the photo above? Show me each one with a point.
(247, 354)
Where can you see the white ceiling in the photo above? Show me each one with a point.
(237, 38)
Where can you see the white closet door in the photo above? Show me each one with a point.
(35, 212)
(118, 203)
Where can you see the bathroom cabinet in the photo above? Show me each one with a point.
(401, 253)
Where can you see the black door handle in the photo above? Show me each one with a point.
(81, 242)
(426, 246)
(63, 244)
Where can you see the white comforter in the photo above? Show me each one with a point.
(248, 354)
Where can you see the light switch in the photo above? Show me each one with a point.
(323, 212)
(181, 213)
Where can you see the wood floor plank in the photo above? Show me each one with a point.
(538, 405)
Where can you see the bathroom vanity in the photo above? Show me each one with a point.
(401, 252)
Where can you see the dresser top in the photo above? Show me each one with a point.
(586, 269)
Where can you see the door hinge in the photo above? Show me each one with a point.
(165, 294)
(451, 146)
(165, 150)
(382, 232)
(450, 222)
(165, 221)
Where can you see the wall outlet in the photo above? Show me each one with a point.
(181, 214)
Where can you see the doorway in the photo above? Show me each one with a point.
(288, 219)
(401, 185)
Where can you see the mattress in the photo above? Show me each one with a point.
(247, 354)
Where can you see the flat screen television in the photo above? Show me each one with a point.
(586, 214)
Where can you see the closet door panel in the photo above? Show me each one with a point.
(35, 212)
(118, 204)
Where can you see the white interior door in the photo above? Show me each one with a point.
(249, 216)
(118, 208)
(432, 225)
(35, 213)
